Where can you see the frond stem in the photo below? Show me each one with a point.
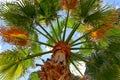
(43, 34)
(54, 31)
(72, 32)
(76, 68)
(45, 31)
(59, 29)
(80, 58)
(79, 43)
(66, 25)
(42, 43)
(79, 38)
(80, 48)
(36, 55)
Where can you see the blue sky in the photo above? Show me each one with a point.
(115, 3)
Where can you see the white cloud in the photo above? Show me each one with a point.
(7, 0)
(48, 48)
(0, 48)
(117, 6)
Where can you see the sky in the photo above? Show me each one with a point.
(115, 3)
(4, 46)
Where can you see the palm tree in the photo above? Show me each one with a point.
(85, 31)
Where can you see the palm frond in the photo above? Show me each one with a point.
(88, 11)
(48, 10)
(12, 67)
(34, 76)
(18, 14)
(28, 8)
(104, 65)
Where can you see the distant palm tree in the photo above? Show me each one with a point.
(85, 31)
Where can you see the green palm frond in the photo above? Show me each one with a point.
(18, 14)
(34, 76)
(104, 65)
(12, 67)
(9, 12)
(48, 10)
(88, 11)
(28, 8)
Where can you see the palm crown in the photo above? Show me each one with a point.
(85, 31)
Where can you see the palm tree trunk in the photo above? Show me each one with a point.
(54, 71)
